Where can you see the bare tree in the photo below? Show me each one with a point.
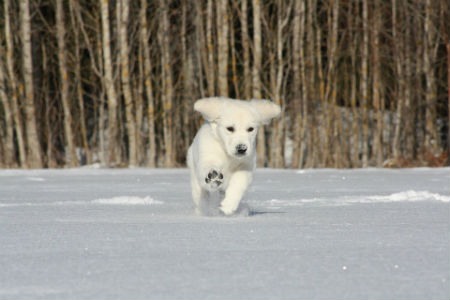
(200, 45)
(432, 141)
(17, 117)
(445, 14)
(355, 116)
(256, 77)
(125, 78)
(113, 157)
(334, 146)
(8, 157)
(365, 84)
(378, 101)
(399, 68)
(245, 49)
(211, 70)
(34, 147)
(167, 85)
(144, 36)
(308, 72)
(222, 47)
(298, 58)
(75, 20)
(234, 68)
(283, 17)
(71, 157)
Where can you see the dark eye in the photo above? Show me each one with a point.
(250, 129)
(230, 129)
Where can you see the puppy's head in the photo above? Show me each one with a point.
(236, 121)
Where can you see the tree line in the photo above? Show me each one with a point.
(362, 83)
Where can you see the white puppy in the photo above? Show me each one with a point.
(222, 156)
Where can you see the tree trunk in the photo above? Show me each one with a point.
(71, 156)
(418, 88)
(51, 131)
(210, 74)
(201, 54)
(320, 134)
(410, 125)
(151, 154)
(130, 110)
(113, 156)
(74, 13)
(277, 137)
(378, 101)
(298, 97)
(256, 76)
(34, 147)
(167, 85)
(448, 101)
(334, 147)
(8, 157)
(17, 117)
(364, 85)
(400, 95)
(234, 68)
(308, 74)
(356, 118)
(141, 113)
(432, 143)
(190, 78)
(103, 131)
(222, 47)
(246, 50)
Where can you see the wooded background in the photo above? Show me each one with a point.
(362, 83)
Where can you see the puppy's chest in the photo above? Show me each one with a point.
(230, 169)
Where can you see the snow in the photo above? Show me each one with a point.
(405, 196)
(95, 233)
(410, 196)
(120, 200)
(127, 200)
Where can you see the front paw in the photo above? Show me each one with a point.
(214, 179)
(227, 210)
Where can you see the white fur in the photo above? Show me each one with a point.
(231, 126)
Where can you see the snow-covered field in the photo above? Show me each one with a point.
(312, 234)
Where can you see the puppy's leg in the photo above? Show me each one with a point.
(209, 174)
(196, 191)
(237, 186)
(214, 179)
(206, 201)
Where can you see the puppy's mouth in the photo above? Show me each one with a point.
(240, 154)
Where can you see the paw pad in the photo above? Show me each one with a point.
(214, 178)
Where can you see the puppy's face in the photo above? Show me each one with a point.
(237, 121)
(237, 129)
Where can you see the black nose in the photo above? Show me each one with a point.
(241, 149)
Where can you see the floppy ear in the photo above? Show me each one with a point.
(266, 110)
(210, 108)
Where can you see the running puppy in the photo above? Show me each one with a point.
(222, 156)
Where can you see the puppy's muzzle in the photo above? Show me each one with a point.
(241, 149)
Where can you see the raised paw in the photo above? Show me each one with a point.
(214, 179)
